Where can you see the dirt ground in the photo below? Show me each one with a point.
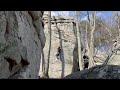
(55, 69)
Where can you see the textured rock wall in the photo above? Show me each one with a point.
(114, 56)
(21, 41)
(66, 26)
(97, 72)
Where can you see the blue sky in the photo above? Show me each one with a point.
(104, 14)
(107, 13)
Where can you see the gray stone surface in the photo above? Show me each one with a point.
(97, 72)
(20, 42)
(66, 25)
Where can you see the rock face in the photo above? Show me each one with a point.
(115, 54)
(63, 35)
(97, 72)
(114, 59)
(100, 57)
(21, 41)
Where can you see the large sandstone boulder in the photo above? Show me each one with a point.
(114, 59)
(63, 34)
(21, 41)
(97, 72)
(114, 56)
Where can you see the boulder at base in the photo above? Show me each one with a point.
(97, 72)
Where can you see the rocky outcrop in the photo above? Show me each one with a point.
(114, 56)
(63, 35)
(97, 72)
(21, 42)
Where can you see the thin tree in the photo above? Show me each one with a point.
(79, 41)
(43, 64)
(92, 27)
(117, 19)
(48, 59)
(86, 40)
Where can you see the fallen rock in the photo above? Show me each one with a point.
(97, 72)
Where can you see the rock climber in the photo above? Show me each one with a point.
(86, 61)
(58, 53)
(114, 46)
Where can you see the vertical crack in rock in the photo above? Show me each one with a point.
(20, 14)
(7, 29)
(36, 43)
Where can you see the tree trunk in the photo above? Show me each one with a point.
(91, 63)
(86, 42)
(49, 28)
(75, 59)
(43, 65)
(75, 52)
(116, 15)
(117, 20)
(92, 27)
(79, 43)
